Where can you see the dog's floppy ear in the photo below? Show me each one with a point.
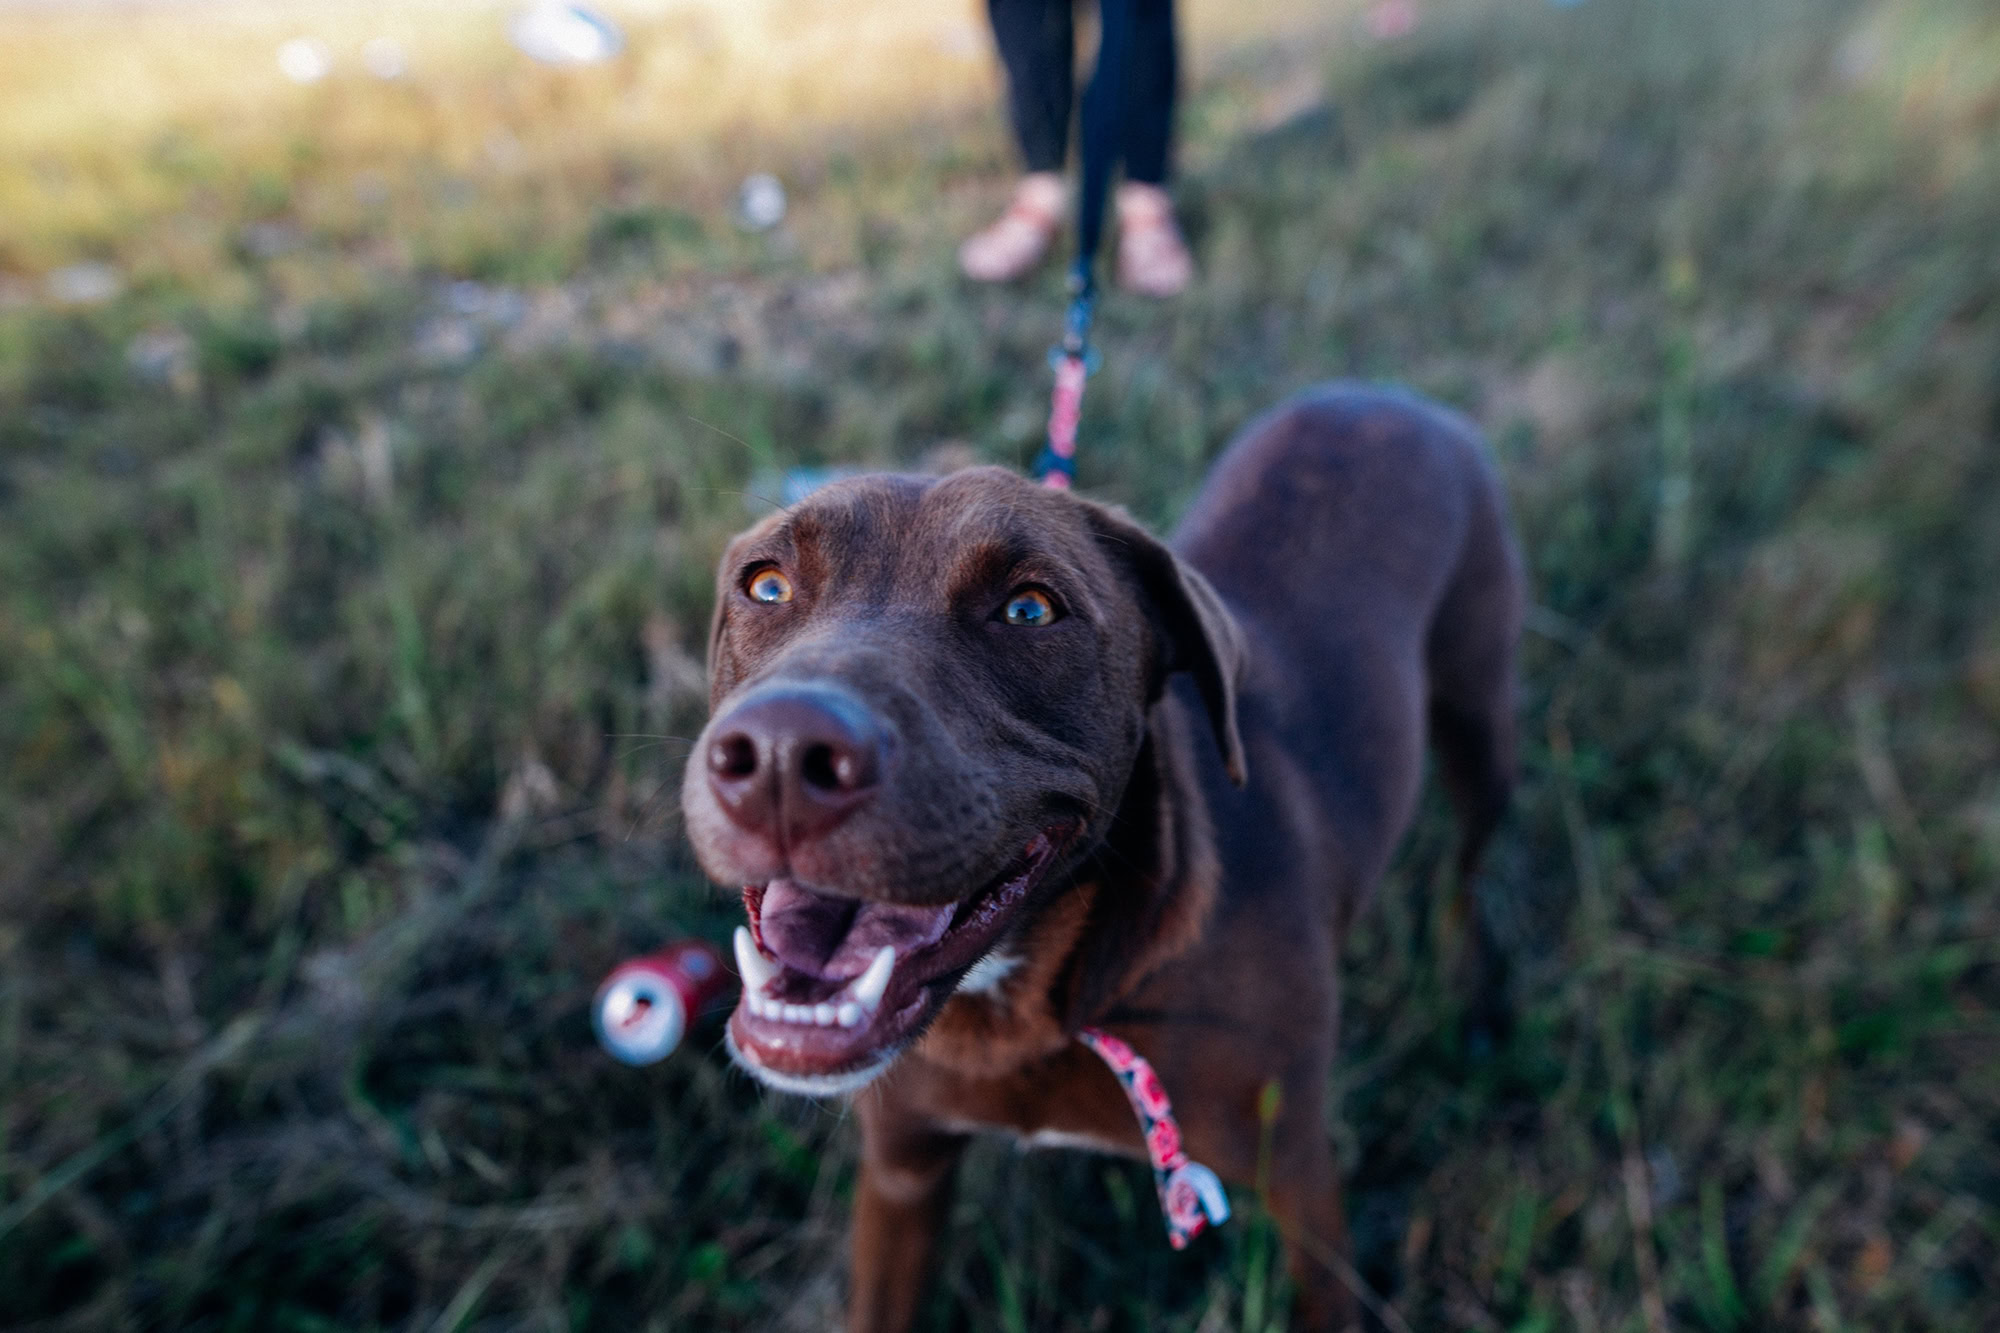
(724, 571)
(715, 619)
(1192, 629)
(725, 583)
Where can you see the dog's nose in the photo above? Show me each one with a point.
(790, 763)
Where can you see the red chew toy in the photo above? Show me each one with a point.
(644, 1007)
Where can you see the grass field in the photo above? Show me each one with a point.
(365, 448)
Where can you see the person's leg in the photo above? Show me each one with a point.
(1150, 86)
(1152, 257)
(1037, 47)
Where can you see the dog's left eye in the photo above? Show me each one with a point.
(1030, 607)
(769, 586)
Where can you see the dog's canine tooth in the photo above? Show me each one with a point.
(755, 969)
(868, 987)
(849, 1014)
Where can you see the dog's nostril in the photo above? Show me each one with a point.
(733, 756)
(822, 768)
(835, 770)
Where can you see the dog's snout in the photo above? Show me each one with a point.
(789, 764)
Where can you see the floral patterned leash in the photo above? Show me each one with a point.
(1073, 359)
(1190, 1195)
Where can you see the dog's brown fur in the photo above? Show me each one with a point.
(1235, 727)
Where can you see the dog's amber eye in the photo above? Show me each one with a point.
(768, 585)
(1031, 607)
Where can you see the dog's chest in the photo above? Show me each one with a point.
(1070, 1100)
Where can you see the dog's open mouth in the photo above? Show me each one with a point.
(834, 987)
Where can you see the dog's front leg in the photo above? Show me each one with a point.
(900, 1204)
(1305, 1201)
(1313, 1222)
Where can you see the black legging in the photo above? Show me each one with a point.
(1037, 44)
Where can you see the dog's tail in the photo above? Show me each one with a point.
(1470, 665)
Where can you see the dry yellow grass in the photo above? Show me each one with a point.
(114, 118)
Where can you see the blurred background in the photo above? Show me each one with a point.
(374, 401)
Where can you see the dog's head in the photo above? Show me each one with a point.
(927, 698)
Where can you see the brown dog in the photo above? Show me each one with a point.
(993, 764)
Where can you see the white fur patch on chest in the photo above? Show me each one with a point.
(1041, 1138)
(984, 977)
(1063, 1138)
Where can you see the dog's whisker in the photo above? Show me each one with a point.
(644, 746)
(756, 456)
(646, 806)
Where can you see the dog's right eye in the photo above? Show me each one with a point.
(769, 586)
(1030, 607)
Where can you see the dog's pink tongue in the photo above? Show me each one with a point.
(837, 938)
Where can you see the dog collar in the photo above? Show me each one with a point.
(1191, 1196)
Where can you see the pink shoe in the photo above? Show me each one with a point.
(1012, 246)
(1153, 260)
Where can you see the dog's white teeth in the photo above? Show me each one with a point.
(847, 1010)
(824, 1014)
(755, 969)
(868, 987)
